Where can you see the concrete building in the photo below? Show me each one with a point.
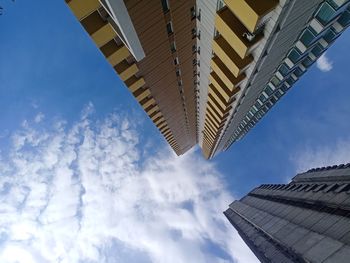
(307, 220)
(206, 71)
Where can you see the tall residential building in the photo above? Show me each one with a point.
(307, 220)
(206, 71)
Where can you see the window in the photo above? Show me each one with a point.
(325, 14)
(284, 88)
(176, 61)
(307, 37)
(317, 50)
(330, 36)
(193, 13)
(298, 72)
(336, 4)
(290, 81)
(283, 70)
(275, 81)
(194, 49)
(165, 5)
(294, 55)
(268, 90)
(173, 47)
(307, 62)
(262, 98)
(194, 33)
(344, 19)
(169, 28)
(178, 72)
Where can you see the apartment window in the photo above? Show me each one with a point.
(307, 37)
(344, 19)
(283, 69)
(176, 61)
(317, 50)
(268, 90)
(290, 81)
(298, 72)
(193, 12)
(173, 47)
(178, 72)
(194, 32)
(169, 28)
(275, 81)
(263, 98)
(336, 4)
(294, 55)
(165, 5)
(330, 36)
(325, 13)
(307, 62)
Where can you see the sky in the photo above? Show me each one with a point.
(86, 176)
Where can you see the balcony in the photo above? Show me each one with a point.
(229, 56)
(235, 32)
(115, 54)
(135, 83)
(124, 69)
(251, 13)
(99, 30)
(218, 97)
(225, 74)
(83, 8)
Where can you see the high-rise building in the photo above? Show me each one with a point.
(206, 71)
(307, 220)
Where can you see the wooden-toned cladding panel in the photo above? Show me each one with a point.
(126, 70)
(225, 73)
(148, 103)
(100, 31)
(250, 12)
(230, 57)
(233, 31)
(135, 83)
(83, 8)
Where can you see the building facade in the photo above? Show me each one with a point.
(307, 220)
(206, 71)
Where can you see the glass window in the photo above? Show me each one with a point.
(307, 37)
(317, 50)
(298, 72)
(283, 70)
(176, 61)
(193, 12)
(273, 100)
(268, 90)
(330, 36)
(262, 98)
(275, 81)
(173, 47)
(307, 62)
(269, 105)
(284, 88)
(169, 28)
(165, 6)
(290, 81)
(257, 105)
(325, 14)
(344, 19)
(294, 55)
(336, 4)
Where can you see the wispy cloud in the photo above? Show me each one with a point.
(39, 117)
(324, 63)
(80, 194)
(323, 155)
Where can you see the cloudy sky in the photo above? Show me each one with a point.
(86, 177)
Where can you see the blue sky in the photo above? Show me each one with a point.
(81, 161)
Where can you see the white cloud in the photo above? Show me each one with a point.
(323, 155)
(324, 64)
(82, 194)
(39, 117)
